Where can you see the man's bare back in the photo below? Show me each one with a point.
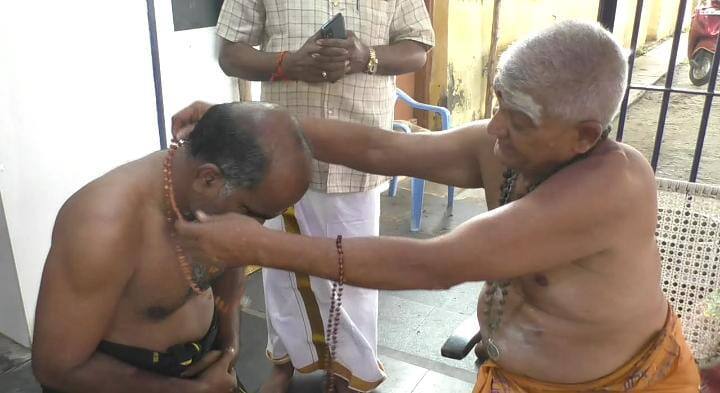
(561, 316)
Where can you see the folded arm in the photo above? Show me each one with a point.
(85, 275)
(243, 61)
(401, 57)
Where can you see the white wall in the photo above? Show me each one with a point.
(76, 99)
(255, 91)
(188, 61)
(12, 315)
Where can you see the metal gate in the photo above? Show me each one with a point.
(606, 16)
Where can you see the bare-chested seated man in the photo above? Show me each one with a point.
(573, 300)
(120, 309)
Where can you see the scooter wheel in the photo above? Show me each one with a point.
(700, 67)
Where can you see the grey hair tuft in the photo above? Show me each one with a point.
(575, 71)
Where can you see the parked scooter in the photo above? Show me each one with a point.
(704, 31)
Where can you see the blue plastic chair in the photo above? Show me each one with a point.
(418, 185)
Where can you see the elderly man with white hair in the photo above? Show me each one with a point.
(573, 300)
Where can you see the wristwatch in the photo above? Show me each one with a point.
(372, 64)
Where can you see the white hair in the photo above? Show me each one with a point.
(574, 71)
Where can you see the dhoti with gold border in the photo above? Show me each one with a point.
(297, 305)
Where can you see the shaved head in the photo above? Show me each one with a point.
(245, 140)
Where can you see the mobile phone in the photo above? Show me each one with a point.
(334, 28)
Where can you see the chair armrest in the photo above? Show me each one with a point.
(463, 339)
(400, 126)
(710, 379)
(443, 112)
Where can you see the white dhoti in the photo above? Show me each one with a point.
(297, 305)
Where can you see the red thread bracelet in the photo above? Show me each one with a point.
(279, 74)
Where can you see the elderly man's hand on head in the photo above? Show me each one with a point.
(184, 121)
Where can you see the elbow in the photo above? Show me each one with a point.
(228, 63)
(45, 373)
(223, 62)
(446, 281)
(421, 60)
(50, 371)
(439, 278)
(412, 64)
(444, 270)
(417, 60)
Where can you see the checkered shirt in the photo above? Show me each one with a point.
(278, 26)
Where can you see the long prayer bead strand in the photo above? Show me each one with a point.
(172, 209)
(332, 331)
(497, 291)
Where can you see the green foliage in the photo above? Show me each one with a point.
(713, 305)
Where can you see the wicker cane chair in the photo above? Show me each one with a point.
(688, 233)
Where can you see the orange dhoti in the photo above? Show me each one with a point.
(666, 364)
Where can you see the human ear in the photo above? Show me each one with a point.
(588, 135)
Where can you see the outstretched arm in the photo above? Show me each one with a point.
(450, 157)
(510, 241)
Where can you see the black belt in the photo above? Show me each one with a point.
(173, 362)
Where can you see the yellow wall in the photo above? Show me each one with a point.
(668, 23)
(624, 18)
(662, 20)
(520, 17)
(469, 31)
(468, 44)
(657, 22)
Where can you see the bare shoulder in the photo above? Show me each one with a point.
(615, 177)
(109, 204)
(480, 129)
(473, 136)
(472, 145)
(477, 128)
(625, 167)
(484, 143)
(95, 229)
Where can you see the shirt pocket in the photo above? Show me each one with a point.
(371, 21)
(289, 23)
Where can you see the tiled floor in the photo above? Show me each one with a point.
(412, 324)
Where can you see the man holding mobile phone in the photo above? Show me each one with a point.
(350, 79)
